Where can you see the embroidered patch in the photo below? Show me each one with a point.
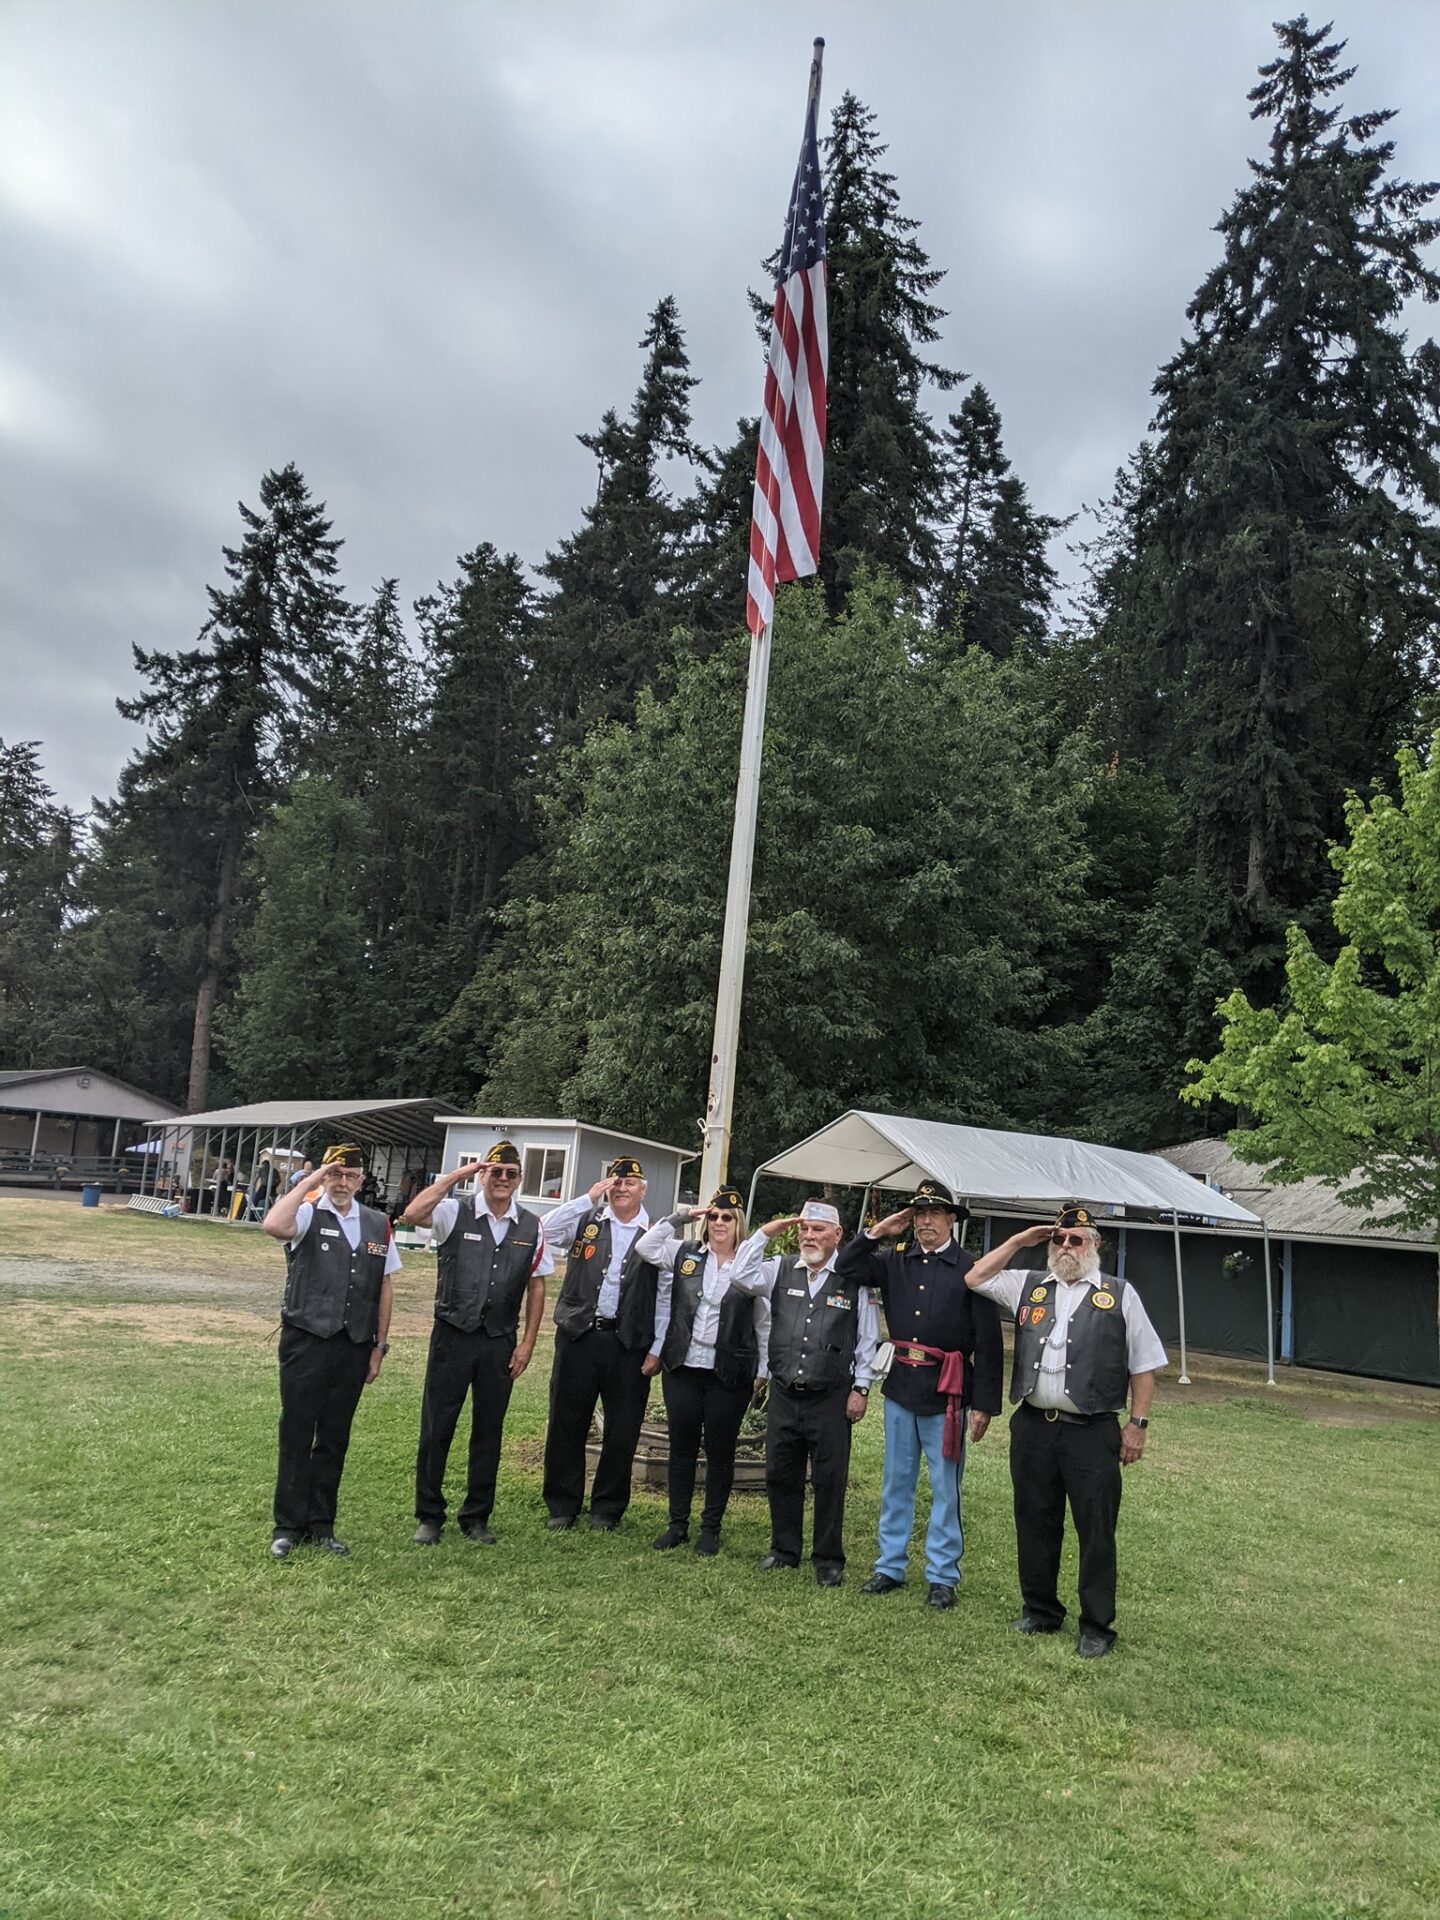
(1037, 1293)
(688, 1266)
(592, 1232)
(1037, 1314)
(589, 1253)
(1023, 1317)
(1102, 1299)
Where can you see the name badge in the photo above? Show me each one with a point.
(330, 1233)
(796, 1293)
(474, 1236)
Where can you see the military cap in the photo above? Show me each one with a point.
(625, 1167)
(504, 1153)
(932, 1193)
(344, 1155)
(1072, 1214)
(727, 1197)
(820, 1213)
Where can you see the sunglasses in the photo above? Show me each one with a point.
(1067, 1239)
(505, 1173)
(715, 1215)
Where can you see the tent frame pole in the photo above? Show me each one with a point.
(1269, 1313)
(1180, 1300)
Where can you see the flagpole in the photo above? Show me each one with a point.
(719, 1105)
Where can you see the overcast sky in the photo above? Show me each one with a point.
(411, 244)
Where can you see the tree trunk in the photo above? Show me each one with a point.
(209, 989)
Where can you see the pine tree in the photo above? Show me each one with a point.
(1294, 488)
(37, 854)
(884, 474)
(228, 721)
(607, 625)
(998, 581)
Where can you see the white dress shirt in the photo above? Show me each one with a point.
(349, 1225)
(753, 1273)
(661, 1246)
(1143, 1351)
(562, 1223)
(447, 1212)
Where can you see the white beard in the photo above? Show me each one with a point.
(814, 1257)
(1074, 1266)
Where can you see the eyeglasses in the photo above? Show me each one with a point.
(1067, 1239)
(505, 1173)
(714, 1215)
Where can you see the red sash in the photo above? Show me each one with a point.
(911, 1353)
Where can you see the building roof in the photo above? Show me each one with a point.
(588, 1126)
(1306, 1210)
(15, 1078)
(1029, 1172)
(371, 1123)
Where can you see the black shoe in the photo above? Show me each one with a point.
(941, 1598)
(282, 1546)
(327, 1543)
(1093, 1645)
(829, 1576)
(882, 1583)
(776, 1563)
(1032, 1623)
(708, 1545)
(478, 1533)
(427, 1534)
(599, 1524)
(560, 1523)
(674, 1536)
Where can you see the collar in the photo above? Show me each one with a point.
(328, 1204)
(946, 1252)
(512, 1212)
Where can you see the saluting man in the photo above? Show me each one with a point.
(1083, 1343)
(947, 1363)
(488, 1259)
(823, 1334)
(335, 1321)
(604, 1327)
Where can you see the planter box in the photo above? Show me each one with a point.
(652, 1458)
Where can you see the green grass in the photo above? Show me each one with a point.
(575, 1725)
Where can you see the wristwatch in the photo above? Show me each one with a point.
(383, 1346)
(864, 1392)
(1142, 1424)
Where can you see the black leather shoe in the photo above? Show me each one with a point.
(1093, 1645)
(775, 1563)
(829, 1576)
(708, 1545)
(941, 1598)
(673, 1536)
(1032, 1623)
(282, 1546)
(479, 1534)
(560, 1523)
(882, 1583)
(427, 1534)
(599, 1524)
(327, 1543)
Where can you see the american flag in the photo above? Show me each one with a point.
(790, 464)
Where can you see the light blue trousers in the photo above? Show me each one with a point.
(907, 1437)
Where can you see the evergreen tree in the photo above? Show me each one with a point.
(300, 1022)
(715, 564)
(884, 472)
(998, 581)
(37, 853)
(1294, 488)
(607, 625)
(227, 726)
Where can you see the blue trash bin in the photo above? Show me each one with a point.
(89, 1196)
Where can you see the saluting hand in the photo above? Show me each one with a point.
(1032, 1236)
(892, 1225)
(601, 1190)
(773, 1229)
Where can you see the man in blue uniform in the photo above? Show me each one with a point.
(1083, 1344)
(339, 1258)
(947, 1365)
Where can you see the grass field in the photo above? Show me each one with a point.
(574, 1725)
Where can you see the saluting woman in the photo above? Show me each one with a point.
(711, 1341)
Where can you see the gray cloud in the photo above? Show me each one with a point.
(411, 248)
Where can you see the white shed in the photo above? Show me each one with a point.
(560, 1158)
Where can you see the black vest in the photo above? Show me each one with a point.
(328, 1287)
(812, 1342)
(737, 1351)
(586, 1267)
(1097, 1372)
(481, 1285)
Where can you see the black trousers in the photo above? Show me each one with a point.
(802, 1430)
(1052, 1461)
(698, 1405)
(462, 1365)
(594, 1367)
(320, 1386)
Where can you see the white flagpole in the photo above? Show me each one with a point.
(719, 1104)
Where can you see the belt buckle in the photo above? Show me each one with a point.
(1051, 1413)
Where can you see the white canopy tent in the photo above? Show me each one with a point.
(1024, 1173)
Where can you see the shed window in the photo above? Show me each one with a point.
(543, 1174)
